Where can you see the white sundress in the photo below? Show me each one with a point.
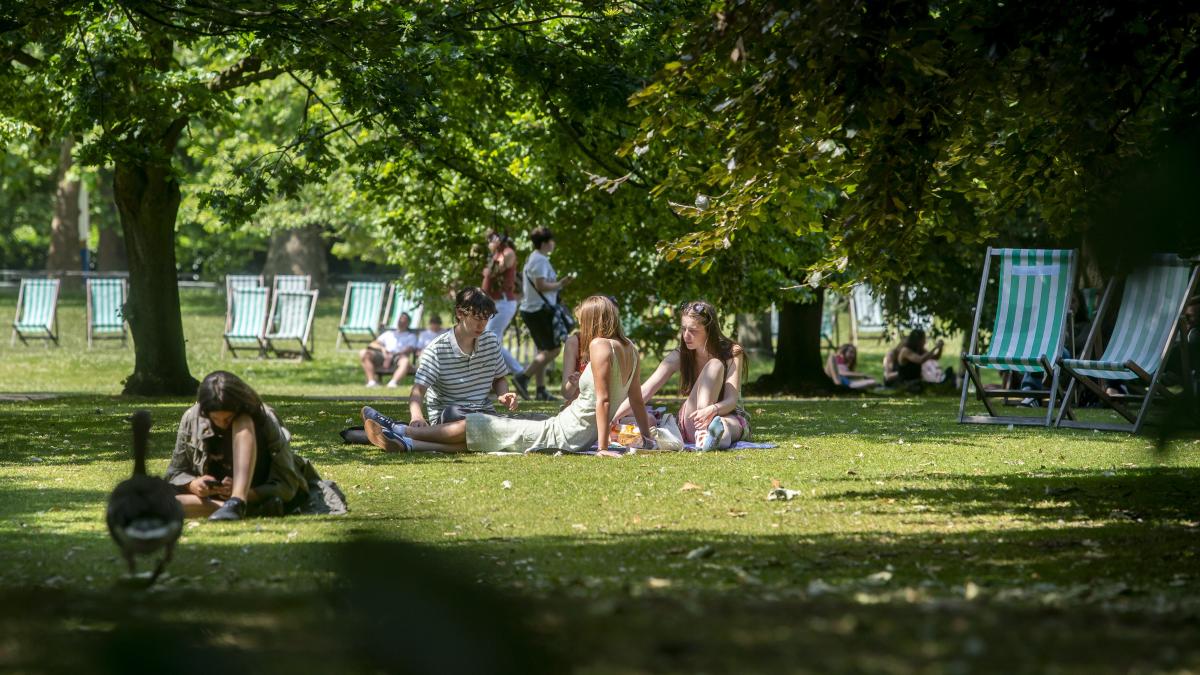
(574, 428)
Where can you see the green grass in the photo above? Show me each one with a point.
(914, 544)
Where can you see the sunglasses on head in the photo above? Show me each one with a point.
(694, 308)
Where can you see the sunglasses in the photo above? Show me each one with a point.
(695, 308)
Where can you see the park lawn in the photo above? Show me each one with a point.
(913, 545)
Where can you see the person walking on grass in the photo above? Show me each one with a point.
(459, 369)
(500, 283)
(232, 452)
(710, 368)
(608, 379)
(539, 294)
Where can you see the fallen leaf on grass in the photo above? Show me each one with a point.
(705, 551)
(879, 578)
(736, 514)
(506, 485)
(658, 582)
(689, 486)
(782, 494)
(579, 527)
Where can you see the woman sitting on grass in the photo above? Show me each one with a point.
(611, 375)
(232, 451)
(914, 363)
(840, 368)
(710, 368)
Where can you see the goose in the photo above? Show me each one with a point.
(143, 514)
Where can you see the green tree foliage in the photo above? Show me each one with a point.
(937, 127)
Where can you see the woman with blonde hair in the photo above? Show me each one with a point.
(609, 377)
(710, 367)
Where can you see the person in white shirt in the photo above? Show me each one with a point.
(432, 329)
(393, 349)
(539, 295)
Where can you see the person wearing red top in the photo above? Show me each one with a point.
(500, 283)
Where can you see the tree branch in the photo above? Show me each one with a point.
(20, 56)
(313, 93)
(242, 73)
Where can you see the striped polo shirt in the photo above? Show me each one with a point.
(462, 379)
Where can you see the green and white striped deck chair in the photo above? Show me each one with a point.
(400, 301)
(1031, 326)
(295, 311)
(362, 309)
(246, 319)
(292, 282)
(233, 281)
(106, 310)
(866, 313)
(829, 320)
(1146, 327)
(37, 311)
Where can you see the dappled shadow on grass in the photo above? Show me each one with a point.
(637, 603)
(1142, 494)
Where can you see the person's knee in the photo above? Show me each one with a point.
(713, 369)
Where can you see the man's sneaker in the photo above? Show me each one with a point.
(715, 431)
(386, 439)
(232, 509)
(369, 413)
(271, 507)
(543, 395)
(372, 383)
(521, 384)
(1029, 402)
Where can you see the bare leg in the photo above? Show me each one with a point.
(403, 363)
(704, 393)
(538, 366)
(245, 456)
(368, 365)
(863, 383)
(454, 433)
(196, 507)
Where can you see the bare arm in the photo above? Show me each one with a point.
(601, 360)
(668, 367)
(635, 399)
(543, 284)
(415, 398)
(570, 387)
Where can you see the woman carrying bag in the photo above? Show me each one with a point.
(541, 312)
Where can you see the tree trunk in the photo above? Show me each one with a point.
(110, 252)
(148, 198)
(754, 333)
(64, 226)
(299, 251)
(798, 362)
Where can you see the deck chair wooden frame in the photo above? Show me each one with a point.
(398, 301)
(292, 325)
(362, 313)
(44, 324)
(100, 323)
(247, 329)
(1147, 329)
(1049, 305)
(233, 281)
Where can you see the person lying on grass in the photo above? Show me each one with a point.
(232, 451)
(710, 368)
(459, 370)
(610, 376)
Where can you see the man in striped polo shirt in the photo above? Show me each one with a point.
(459, 370)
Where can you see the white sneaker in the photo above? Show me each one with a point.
(372, 383)
(393, 384)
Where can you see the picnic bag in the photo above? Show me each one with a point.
(667, 435)
(562, 319)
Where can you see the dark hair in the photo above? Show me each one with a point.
(473, 300)
(716, 345)
(540, 236)
(434, 318)
(223, 391)
(914, 340)
(505, 240)
(402, 315)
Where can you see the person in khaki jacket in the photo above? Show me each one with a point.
(232, 451)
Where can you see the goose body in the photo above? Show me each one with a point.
(143, 514)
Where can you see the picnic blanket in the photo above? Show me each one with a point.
(740, 445)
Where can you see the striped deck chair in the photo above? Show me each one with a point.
(296, 311)
(829, 320)
(106, 310)
(292, 282)
(246, 319)
(866, 314)
(1146, 329)
(37, 311)
(400, 301)
(362, 309)
(233, 281)
(1031, 326)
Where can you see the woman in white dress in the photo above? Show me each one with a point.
(609, 378)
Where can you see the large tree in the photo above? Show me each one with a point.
(935, 126)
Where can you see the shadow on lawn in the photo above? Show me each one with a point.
(1144, 494)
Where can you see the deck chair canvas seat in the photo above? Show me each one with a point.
(37, 311)
(400, 301)
(246, 319)
(1032, 309)
(295, 311)
(1146, 328)
(292, 282)
(105, 310)
(362, 312)
(233, 281)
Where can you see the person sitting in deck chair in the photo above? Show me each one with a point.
(395, 348)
